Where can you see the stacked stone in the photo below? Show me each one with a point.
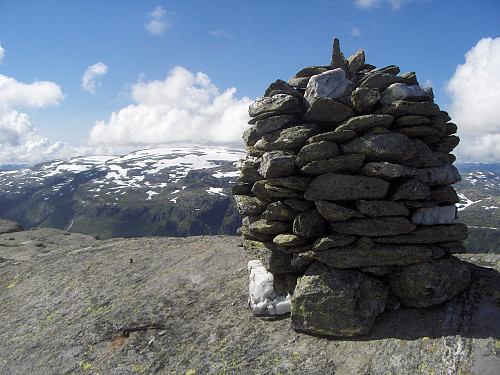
(347, 199)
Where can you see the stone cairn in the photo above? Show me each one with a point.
(347, 199)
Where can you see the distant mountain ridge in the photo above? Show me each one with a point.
(163, 191)
(181, 192)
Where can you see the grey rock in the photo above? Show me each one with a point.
(410, 120)
(364, 98)
(333, 186)
(279, 211)
(444, 175)
(410, 77)
(251, 136)
(249, 174)
(387, 170)
(435, 215)
(380, 80)
(340, 164)
(269, 192)
(293, 182)
(248, 205)
(312, 71)
(444, 194)
(430, 234)
(372, 227)
(364, 243)
(241, 189)
(272, 259)
(299, 82)
(410, 189)
(401, 91)
(309, 224)
(332, 84)
(270, 227)
(446, 144)
(327, 110)
(7, 226)
(315, 151)
(335, 212)
(290, 138)
(382, 208)
(379, 255)
(424, 157)
(277, 103)
(338, 137)
(299, 204)
(356, 62)
(392, 147)
(277, 164)
(274, 123)
(362, 124)
(289, 239)
(430, 283)
(280, 86)
(418, 132)
(405, 108)
(333, 240)
(338, 59)
(337, 302)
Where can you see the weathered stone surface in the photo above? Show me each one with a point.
(382, 208)
(279, 211)
(364, 98)
(379, 80)
(411, 120)
(270, 227)
(289, 138)
(340, 164)
(272, 259)
(372, 227)
(293, 182)
(241, 189)
(327, 110)
(281, 87)
(333, 240)
(299, 204)
(338, 59)
(379, 255)
(392, 147)
(299, 82)
(410, 190)
(335, 212)
(410, 77)
(446, 144)
(249, 174)
(435, 215)
(274, 123)
(405, 108)
(248, 205)
(361, 124)
(309, 224)
(289, 239)
(418, 132)
(430, 234)
(312, 71)
(424, 157)
(387, 171)
(277, 103)
(261, 295)
(356, 62)
(315, 151)
(332, 84)
(269, 192)
(337, 302)
(444, 175)
(401, 91)
(251, 136)
(333, 186)
(444, 194)
(7, 226)
(430, 283)
(338, 137)
(277, 164)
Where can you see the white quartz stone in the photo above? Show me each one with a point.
(330, 84)
(401, 91)
(435, 215)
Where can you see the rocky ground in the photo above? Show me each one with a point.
(71, 304)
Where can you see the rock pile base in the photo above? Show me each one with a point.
(347, 199)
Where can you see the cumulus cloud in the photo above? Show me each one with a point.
(157, 21)
(2, 53)
(475, 93)
(396, 4)
(183, 109)
(91, 77)
(20, 142)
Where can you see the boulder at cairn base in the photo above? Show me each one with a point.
(335, 302)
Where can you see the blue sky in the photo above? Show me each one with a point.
(84, 77)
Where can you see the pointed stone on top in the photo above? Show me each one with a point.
(338, 59)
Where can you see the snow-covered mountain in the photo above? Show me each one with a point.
(163, 191)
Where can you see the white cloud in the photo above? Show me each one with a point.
(355, 31)
(90, 79)
(158, 22)
(20, 142)
(396, 4)
(222, 34)
(185, 108)
(475, 93)
(2, 54)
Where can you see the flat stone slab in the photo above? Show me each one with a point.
(361, 124)
(391, 147)
(371, 227)
(326, 110)
(435, 215)
(275, 103)
(430, 234)
(334, 187)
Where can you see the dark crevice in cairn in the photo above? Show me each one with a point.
(347, 199)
